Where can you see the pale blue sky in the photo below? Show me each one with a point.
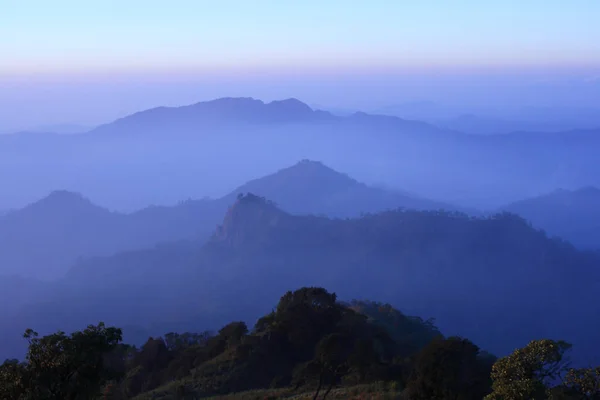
(43, 36)
(90, 61)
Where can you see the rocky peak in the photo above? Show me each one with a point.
(248, 217)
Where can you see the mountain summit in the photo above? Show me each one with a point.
(309, 187)
(61, 204)
(247, 109)
(248, 214)
(227, 111)
(65, 225)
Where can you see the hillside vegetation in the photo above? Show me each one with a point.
(495, 280)
(309, 343)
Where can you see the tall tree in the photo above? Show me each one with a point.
(62, 367)
(448, 369)
(529, 372)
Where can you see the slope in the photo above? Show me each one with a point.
(223, 112)
(495, 280)
(45, 238)
(476, 276)
(65, 226)
(573, 215)
(41, 238)
(310, 187)
(166, 154)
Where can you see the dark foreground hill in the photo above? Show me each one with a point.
(310, 345)
(495, 280)
(45, 238)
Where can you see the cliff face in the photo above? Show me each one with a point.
(247, 220)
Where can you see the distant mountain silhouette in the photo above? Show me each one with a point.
(488, 120)
(310, 187)
(479, 125)
(48, 235)
(62, 205)
(341, 112)
(168, 153)
(221, 112)
(65, 225)
(59, 128)
(573, 215)
(515, 284)
(420, 110)
(45, 238)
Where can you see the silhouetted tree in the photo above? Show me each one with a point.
(61, 366)
(448, 369)
(527, 373)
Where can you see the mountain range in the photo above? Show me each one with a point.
(494, 279)
(65, 226)
(570, 214)
(486, 120)
(161, 155)
(66, 129)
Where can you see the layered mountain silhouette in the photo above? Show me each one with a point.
(227, 112)
(485, 120)
(219, 112)
(571, 214)
(495, 279)
(43, 239)
(310, 187)
(157, 155)
(65, 226)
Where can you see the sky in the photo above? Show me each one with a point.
(344, 53)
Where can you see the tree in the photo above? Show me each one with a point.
(579, 384)
(448, 369)
(332, 355)
(178, 342)
(12, 380)
(61, 366)
(528, 373)
(233, 333)
(305, 315)
(411, 334)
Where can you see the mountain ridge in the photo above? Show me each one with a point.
(225, 110)
(416, 259)
(571, 214)
(66, 225)
(185, 145)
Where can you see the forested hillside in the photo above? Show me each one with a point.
(495, 280)
(301, 200)
(309, 344)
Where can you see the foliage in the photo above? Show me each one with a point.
(578, 384)
(410, 334)
(448, 369)
(527, 373)
(61, 366)
(585, 381)
(309, 346)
